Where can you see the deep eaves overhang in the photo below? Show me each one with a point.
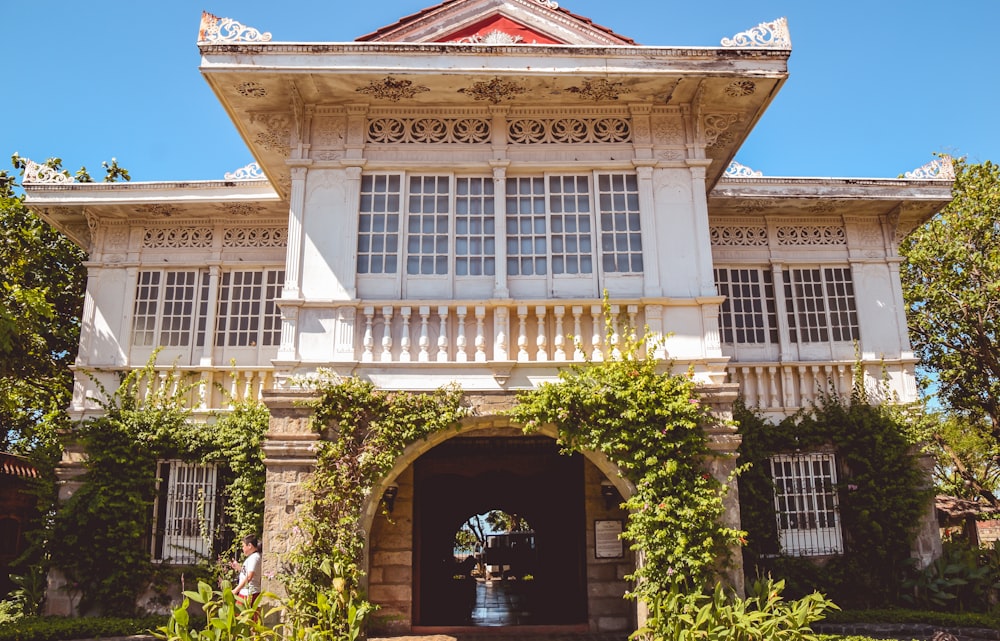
(907, 202)
(258, 82)
(70, 207)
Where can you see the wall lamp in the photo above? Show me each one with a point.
(389, 497)
(611, 496)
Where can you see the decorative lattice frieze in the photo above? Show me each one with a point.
(739, 235)
(533, 131)
(255, 237)
(429, 130)
(178, 238)
(811, 235)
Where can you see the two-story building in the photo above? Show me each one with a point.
(447, 200)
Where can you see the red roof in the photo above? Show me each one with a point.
(378, 33)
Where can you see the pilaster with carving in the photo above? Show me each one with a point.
(647, 223)
(702, 235)
(500, 289)
(296, 221)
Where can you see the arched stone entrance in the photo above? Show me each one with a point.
(412, 573)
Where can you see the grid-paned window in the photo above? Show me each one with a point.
(248, 315)
(165, 306)
(748, 314)
(186, 511)
(171, 308)
(475, 227)
(805, 504)
(820, 305)
(621, 237)
(427, 231)
(378, 226)
(527, 247)
(569, 222)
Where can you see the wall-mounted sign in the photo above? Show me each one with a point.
(607, 540)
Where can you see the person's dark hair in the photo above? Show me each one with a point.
(252, 540)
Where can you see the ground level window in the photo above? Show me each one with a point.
(805, 504)
(186, 511)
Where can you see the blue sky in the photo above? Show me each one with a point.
(875, 87)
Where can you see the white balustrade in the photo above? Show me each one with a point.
(788, 386)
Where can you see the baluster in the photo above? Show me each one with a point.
(828, 373)
(387, 334)
(522, 333)
(248, 385)
(234, 387)
(204, 385)
(369, 340)
(616, 353)
(817, 385)
(787, 386)
(261, 385)
(758, 373)
(578, 354)
(404, 339)
(460, 355)
(748, 387)
(559, 340)
(803, 386)
(844, 380)
(501, 327)
(424, 342)
(541, 354)
(442, 334)
(596, 316)
(480, 334)
(773, 381)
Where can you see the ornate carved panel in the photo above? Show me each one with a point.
(178, 238)
(429, 130)
(810, 235)
(739, 235)
(254, 237)
(531, 131)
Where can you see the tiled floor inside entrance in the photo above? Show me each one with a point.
(501, 603)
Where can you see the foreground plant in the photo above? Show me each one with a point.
(722, 616)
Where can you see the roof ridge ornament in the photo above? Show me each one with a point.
(249, 172)
(36, 173)
(942, 168)
(736, 170)
(495, 37)
(215, 29)
(772, 35)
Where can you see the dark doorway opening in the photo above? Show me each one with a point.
(543, 582)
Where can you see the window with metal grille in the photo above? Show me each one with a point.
(805, 504)
(248, 315)
(621, 237)
(186, 511)
(748, 314)
(820, 305)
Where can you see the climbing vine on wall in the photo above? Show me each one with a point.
(652, 426)
(365, 429)
(102, 530)
(881, 490)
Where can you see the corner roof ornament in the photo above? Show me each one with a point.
(226, 30)
(736, 170)
(36, 173)
(250, 172)
(941, 169)
(770, 35)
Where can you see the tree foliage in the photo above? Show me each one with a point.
(951, 285)
(42, 281)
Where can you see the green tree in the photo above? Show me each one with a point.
(42, 280)
(951, 285)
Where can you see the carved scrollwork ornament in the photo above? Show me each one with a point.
(940, 169)
(736, 170)
(36, 173)
(599, 89)
(773, 35)
(249, 172)
(495, 91)
(392, 89)
(215, 29)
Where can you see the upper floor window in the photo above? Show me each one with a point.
(748, 314)
(820, 305)
(553, 225)
(171, 308)
(805, 504)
